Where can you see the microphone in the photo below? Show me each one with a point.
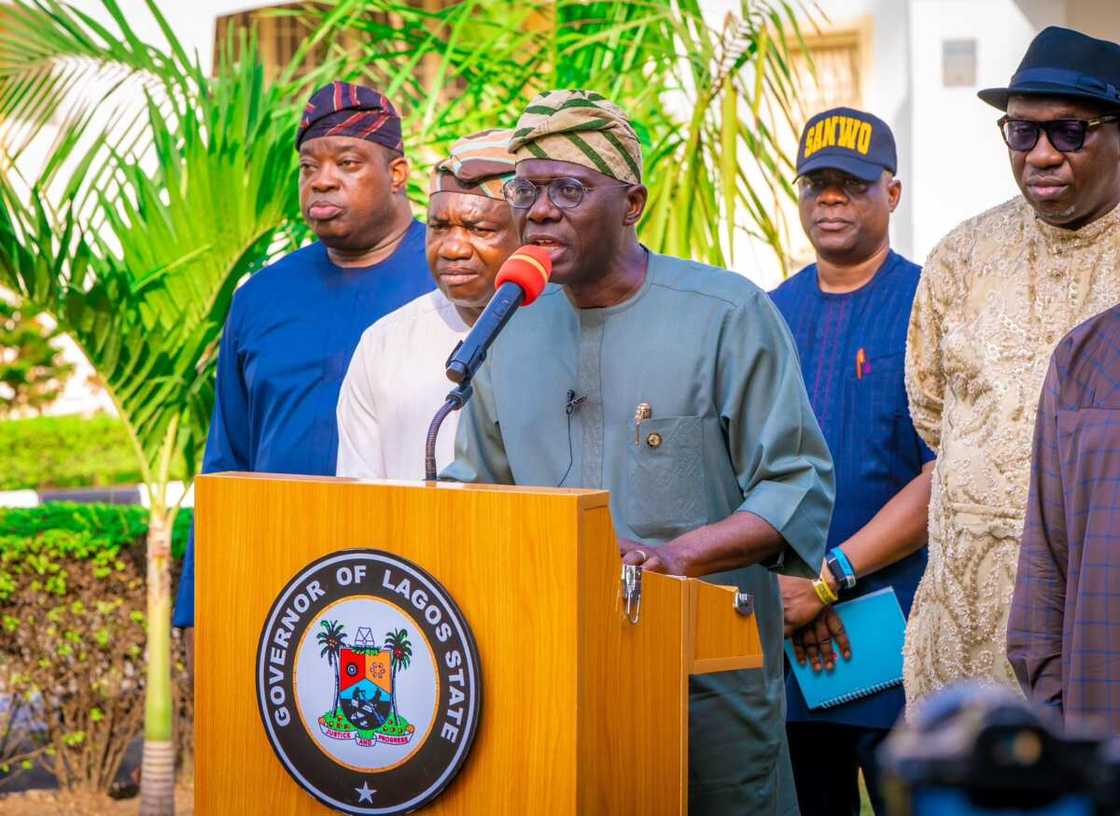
(520, 281)
(573, 402)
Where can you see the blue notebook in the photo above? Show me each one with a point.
(876, 629)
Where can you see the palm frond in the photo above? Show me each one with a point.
(141, 239)
(711, 105)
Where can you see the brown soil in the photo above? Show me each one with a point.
(56, 803)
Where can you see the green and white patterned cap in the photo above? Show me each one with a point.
(581, 127)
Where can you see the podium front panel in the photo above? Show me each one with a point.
(582, 712)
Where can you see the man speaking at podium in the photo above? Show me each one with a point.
(675, 386)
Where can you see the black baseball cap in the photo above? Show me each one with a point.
(1064, 63)
(848, 140)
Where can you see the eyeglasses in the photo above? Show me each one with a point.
(816, 184)
(565, 193)
(1065, 135)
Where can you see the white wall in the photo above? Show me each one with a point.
(961, 166)
(885, 72)
(951, 160)
(191, 20)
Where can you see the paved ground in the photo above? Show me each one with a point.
(53, 803)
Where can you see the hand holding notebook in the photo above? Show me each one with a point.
(876, 628)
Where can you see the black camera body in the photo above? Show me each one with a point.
(976, 749)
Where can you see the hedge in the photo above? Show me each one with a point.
(106, 527)
(67, 451)
(72, 632)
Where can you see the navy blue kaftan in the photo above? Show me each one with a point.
(286, 346)
(852, 347)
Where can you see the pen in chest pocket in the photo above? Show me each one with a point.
(641, 414)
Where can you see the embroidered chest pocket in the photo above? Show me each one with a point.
(666, 488)
(881, 388)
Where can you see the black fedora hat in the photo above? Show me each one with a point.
(1065, 63)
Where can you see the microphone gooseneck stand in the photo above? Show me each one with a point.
(467, 357)
(455, 400)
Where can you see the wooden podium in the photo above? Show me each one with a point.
(583, 712)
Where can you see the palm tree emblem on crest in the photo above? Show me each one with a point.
(332, 639)
(400, 655)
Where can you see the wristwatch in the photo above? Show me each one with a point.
(841, 568)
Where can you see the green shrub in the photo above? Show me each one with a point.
(67, 451)
(72, 634)
(100, 527)
(33, 369)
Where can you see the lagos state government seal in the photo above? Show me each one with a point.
(368, 683)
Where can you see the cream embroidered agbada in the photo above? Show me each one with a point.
(996, 296)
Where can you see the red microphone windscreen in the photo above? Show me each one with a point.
(529, 267)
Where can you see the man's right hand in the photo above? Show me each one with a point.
(800, 604)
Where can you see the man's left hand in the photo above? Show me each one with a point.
(652, 559)
(814, 641)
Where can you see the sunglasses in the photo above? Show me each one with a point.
(1065, 135)
(814, 184)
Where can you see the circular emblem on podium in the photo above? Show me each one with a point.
(368, 683)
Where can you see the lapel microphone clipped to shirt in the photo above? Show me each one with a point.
(574, 401)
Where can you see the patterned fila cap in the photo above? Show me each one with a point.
(479, 164)
(581, 127)
(343, 109)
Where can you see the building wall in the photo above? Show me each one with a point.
(880, 27)
(191, 20)
(887, 95)
(1100, 18)
(885, 87)
(961, 165)
(952, 161)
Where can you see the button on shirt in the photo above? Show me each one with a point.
(852, 348)
(287, 343)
